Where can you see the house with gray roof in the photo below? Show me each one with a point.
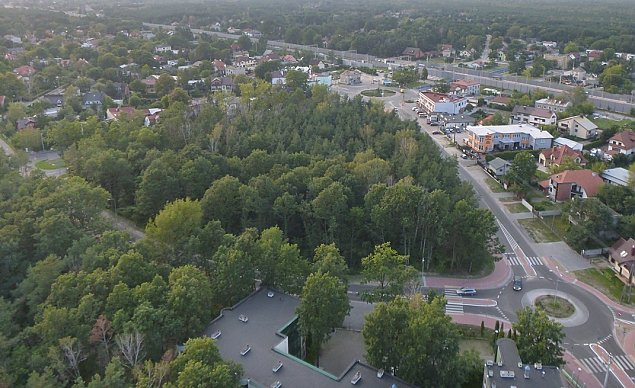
(498, 167)
(533, 116)
(616, 176)
(260, 334)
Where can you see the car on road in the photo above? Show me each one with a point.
(463, 156)
(517, 283)
(465, 291)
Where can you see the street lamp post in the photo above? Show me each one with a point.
(608, 369)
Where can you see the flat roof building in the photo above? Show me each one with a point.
(259, 333)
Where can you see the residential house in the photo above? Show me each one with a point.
(621, 143)
(622, 256)
(121, 112)
(533, 116)
(351, 77)
(259, 333)
(456, 121)
(413, 53)
(447, 51)
(147, 35)
(507, 137)
(552, 104)
(498, 167)
(289, 59)
(476, 65)
(13, 39)
(225, 84)
(252, 33)
(278, 77)
(234, 70)
(508, 370)
(150, 83)
(563, 141)
(219, 66)
(321, 79)
(557, 155)
(572, 184)
(616, 176)
(594, 54)
(432, 102)
(500, 102)
(465, 87)
(27, 122)
(579, 74)
(163, 49)
(93, 99)
(151, 116)
(25, 71)
(54, 99)
(578, 126)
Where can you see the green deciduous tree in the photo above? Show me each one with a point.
(189, 300)
(416, 340)
(323, 307)
(539, 338)
(522, 171)
(389, 270)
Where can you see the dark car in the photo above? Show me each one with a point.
(465, 291)
(517, 284)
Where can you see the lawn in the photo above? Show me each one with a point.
(538, 231)
(603, 279)
(516, 207)
(607, 123)
(494, 186)
(50, 164)
(508, 199)
(377, 93)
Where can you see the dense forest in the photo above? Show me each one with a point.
(386, 28)
(228, 195)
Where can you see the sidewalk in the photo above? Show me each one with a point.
(580, 373)
(501, 275)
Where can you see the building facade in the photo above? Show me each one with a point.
(511, 137)
(431, 102)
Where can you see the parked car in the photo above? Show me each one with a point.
(436, 132)
(465, 291)
(517, 284)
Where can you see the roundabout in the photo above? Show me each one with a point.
(577, 314)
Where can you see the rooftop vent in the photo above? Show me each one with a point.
(507, 374)
(538, 366)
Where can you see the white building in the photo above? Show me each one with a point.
(465, 87)
(533, 116)
(563, 141)
(432, 102)
(507, 138)
(552, 104)
(578, 126)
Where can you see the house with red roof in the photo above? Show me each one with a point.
(569, 184)
(555, 156)
(465, 87)
(413, 53)
(24, 71)
(621, 143)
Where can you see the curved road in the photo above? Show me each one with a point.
(539, 273)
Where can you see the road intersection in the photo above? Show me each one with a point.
(590, 333)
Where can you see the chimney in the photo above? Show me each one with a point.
(633, 250)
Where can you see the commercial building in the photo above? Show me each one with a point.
(507, 138)
(508, 370)
(260, 334)
(432, 102)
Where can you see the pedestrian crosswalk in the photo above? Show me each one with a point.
(533, 260)
(596, 365)
(453, 304)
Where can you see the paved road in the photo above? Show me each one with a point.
(614, 102)
(540, 271)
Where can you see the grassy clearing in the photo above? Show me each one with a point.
(605, 280)
(607, 123)
(494, 186)
(555, 306)
(508, 199)
(516, 207)
(50, 164)
(481, 346)
(377, 93)
(538, 231)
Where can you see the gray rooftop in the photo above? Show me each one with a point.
(509, 374)
(267, 316)
(497, 163)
